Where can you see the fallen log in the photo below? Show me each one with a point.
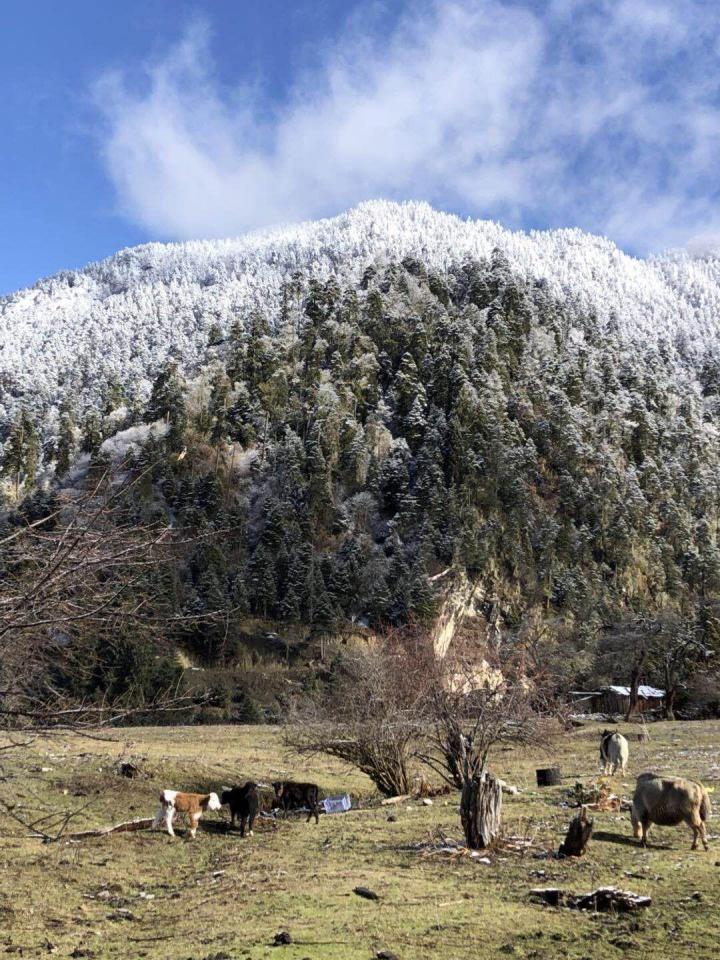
(399, 799)
(126, 827)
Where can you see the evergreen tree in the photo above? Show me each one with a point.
(21, 456)
(67, 443)
(167, 402)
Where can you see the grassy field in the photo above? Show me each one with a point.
(222, 897)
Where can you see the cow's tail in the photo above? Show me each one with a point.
(705, 806)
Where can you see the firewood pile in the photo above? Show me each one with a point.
(602, 900)
(595, 795)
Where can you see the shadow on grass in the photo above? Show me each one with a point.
(623, 840)
(217, 826)
(223, 828)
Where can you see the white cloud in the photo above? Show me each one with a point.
(491, 108)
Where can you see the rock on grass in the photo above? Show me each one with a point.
(365, 893)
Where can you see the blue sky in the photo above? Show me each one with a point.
(165, 119)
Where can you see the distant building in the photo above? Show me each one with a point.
(616, 699)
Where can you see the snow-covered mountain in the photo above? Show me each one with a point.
(123, 316)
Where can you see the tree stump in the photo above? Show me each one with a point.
(578, 835)
(481, 811)
(548, 776)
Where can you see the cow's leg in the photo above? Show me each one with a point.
(194, 819)
(169, 816)
(251, 821)
(698, 829)
(242, 824)
(645, 830)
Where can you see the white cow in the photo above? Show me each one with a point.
(614, 752)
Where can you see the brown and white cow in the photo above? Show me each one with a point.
(193, 805)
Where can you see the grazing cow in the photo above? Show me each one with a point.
(289, 795)
(669, 801)
(614, 752)
(243, 802)
(193, 805)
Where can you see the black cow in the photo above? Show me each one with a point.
(243, 802)
(290, 795)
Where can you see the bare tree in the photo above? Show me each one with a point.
(371, 716)
(472, 711)
(626, 647)
(475, 706)
(395, 703)
(681, 647)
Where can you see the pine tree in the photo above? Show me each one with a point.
(167, 402)
(91, 432)
(67, 440)
(22, 452)
(261, 576)
(219, 405)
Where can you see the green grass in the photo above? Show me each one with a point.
(145, 895)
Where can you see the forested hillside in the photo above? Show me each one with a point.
(325, 457)
(74, 335)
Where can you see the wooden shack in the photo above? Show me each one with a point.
(616, 699)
